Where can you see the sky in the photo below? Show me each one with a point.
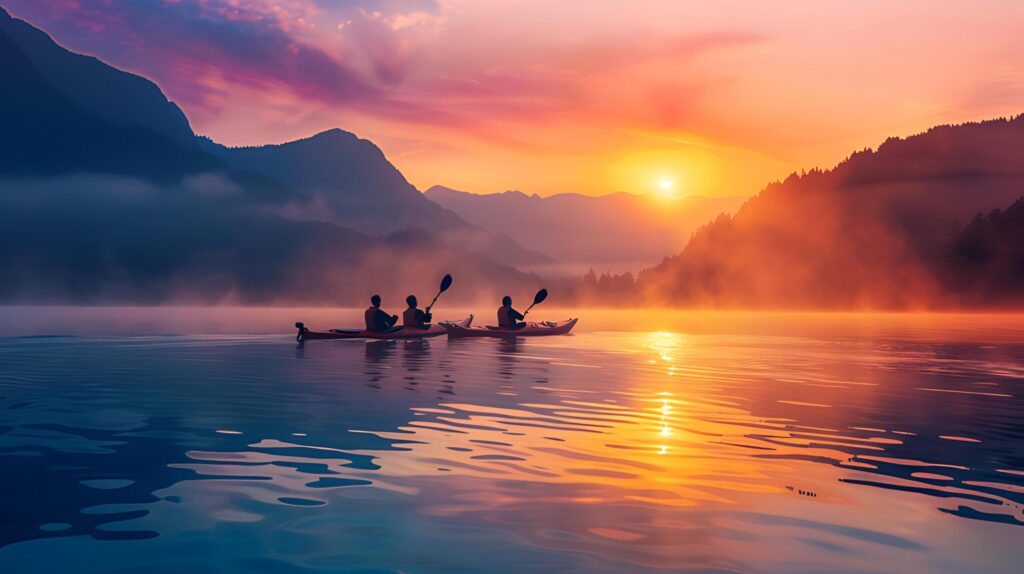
(673, 97)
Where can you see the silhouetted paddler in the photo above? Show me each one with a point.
(376, 319)
(509, 318)
(414, 318)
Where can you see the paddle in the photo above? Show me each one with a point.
(445, 284)
(537, 299)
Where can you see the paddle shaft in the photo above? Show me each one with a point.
(445, 284)
(434, 301)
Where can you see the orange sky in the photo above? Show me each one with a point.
(576, 95)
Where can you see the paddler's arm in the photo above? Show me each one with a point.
(382, 318)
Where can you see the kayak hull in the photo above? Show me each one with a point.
(435, 330)
(530, 330)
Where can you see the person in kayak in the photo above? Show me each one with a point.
(414, 318)
(509, 318)
(376, 319)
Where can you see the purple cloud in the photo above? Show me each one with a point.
(387, 59)
(173, 40)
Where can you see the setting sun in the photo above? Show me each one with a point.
(666, 188)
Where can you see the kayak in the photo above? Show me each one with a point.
(530, 330)
(435, 330)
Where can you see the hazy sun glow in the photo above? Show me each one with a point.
(666, 189)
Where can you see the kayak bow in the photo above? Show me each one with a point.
(530, 330)
(435, 330)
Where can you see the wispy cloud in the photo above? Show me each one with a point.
(502, 87)
(381, 58)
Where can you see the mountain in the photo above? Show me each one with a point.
(618, 231)
(349, 181)
(348, 176)
(66, 113)
(873, 232)
(113, 95)
(107, 194)
(57, 121)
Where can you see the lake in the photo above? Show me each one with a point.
(208, 440)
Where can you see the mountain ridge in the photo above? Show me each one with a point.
(192, 198)
(872, 232)
(113, 94)
(881, 229)
(620, 231)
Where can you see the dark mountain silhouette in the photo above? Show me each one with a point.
(349, 176)
(111, 94)
(872, 232)
(66, 113)
(347, 180)
(46, 131)
(199, 220)
(618, 231)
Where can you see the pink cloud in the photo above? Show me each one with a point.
(388, 61)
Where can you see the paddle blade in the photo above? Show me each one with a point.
(446, 283)
(540, 296)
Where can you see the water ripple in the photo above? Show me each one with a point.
(599, 452)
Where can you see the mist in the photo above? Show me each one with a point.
(105, 239)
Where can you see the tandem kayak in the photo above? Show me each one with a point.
(435, 330)
(530, 330)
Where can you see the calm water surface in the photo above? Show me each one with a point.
(184, 440)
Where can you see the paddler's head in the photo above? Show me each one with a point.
(375, 301)
(506, 301)
(411, 301)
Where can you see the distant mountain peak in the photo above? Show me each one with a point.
(620, 229)
(516, 193)
(511, 194)
(442, 191)
(335, 133)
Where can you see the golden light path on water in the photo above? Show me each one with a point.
(658, 443)
(765, 443)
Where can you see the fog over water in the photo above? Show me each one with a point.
(131, 320)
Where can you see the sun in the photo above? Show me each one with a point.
(666, 188)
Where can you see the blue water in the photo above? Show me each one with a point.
(839, 450)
